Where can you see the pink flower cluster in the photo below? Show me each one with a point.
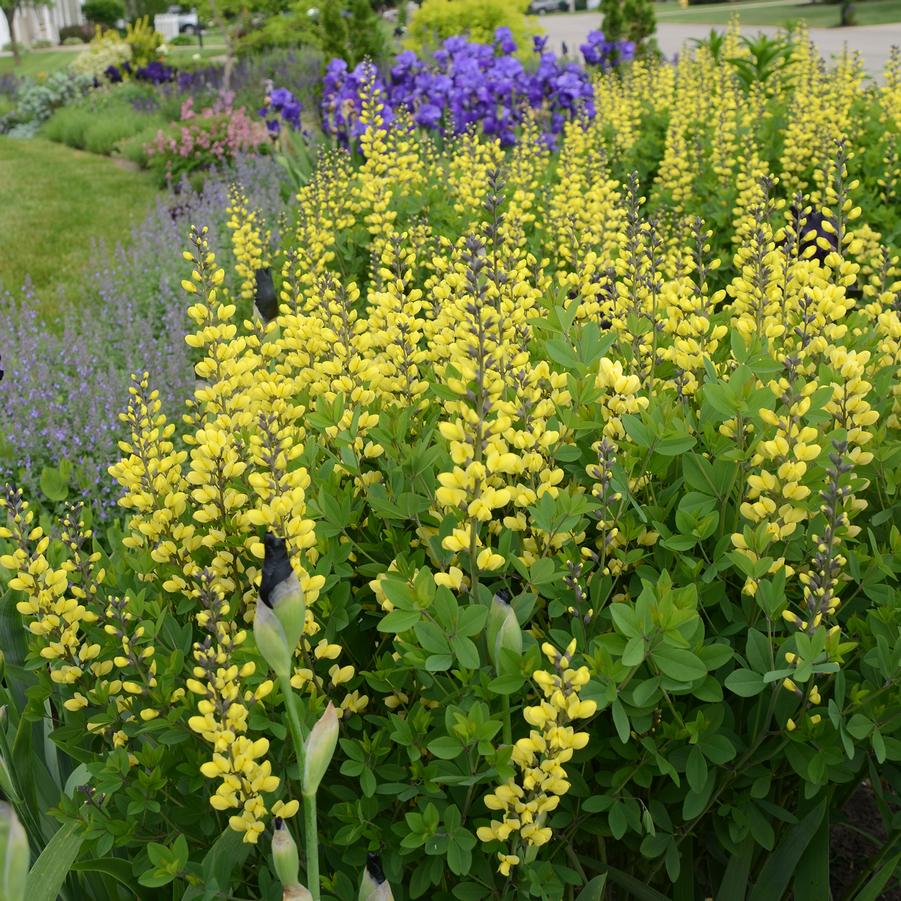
(207, 138)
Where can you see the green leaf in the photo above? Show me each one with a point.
(621, 721)
(506, 685)
(696, 770)
(447, 747)
(47, 876)
(872, 891)
(634, 652)
(635, 887)
(745, 683)
(399, 621)
(53, 485)
(812, 873)
(594, 890)
(118, 869)
(467, 653)
(228, 851)
(734, 886)
(679, 664)
(780, 866)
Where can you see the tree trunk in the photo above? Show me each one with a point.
(10, 13)
(847, 16)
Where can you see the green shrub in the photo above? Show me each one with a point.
(72, 41)
(103, 12)
(105, 134)
(437, 20)
(68, 125)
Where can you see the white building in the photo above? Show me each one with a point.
(42, 23)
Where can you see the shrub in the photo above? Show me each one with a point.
(103, 12)
(83, 33)
(41, 44)
(72, 41)
(103, 119)
(211, 137)
(145, 42)
(589, 501)
(107, 50)
(36, 101)
(437, 20)
(68, 125)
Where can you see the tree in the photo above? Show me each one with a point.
(232, 18)
(10, 8)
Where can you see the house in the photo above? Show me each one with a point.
(42, 23)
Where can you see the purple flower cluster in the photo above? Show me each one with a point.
(155, 72)
(116, 74)
(281, 106)
(466, 83)
(66, 382)
(598, 51)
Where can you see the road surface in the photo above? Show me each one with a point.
(874, 42)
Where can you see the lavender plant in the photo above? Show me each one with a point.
(63, 386)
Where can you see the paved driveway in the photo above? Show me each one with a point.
(873, 41)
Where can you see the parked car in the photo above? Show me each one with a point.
(542, 7)
(188, 22)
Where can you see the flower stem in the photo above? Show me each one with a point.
(508, 726)
(310, 835)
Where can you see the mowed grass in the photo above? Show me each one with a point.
(55, 202)
(761, 12)
(38, 62)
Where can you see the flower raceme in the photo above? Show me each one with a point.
(506, 402)
(525, 802)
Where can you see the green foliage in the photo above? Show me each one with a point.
(144, 41)
(102, 121)
(437, 20)
(103, 12)
(334, 34)
(613, 22)
(350, 30)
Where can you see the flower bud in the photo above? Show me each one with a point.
(271, 641)
(296, 893)
(318, 750)
(374, 886)
(280, 590)
(284, 854)
(265, 296)
(14, 855)
(507, 642)
(497, 614)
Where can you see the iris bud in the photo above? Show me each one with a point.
(504, 635)
(508, 643)
(284, 854)
(318, 750)
(280, 590)
(14, 855)
(374, 886)
(497, 613)
(265, 296)
(271, 641)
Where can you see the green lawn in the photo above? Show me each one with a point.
(35, 62)
(56, 201)
(754, 12)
